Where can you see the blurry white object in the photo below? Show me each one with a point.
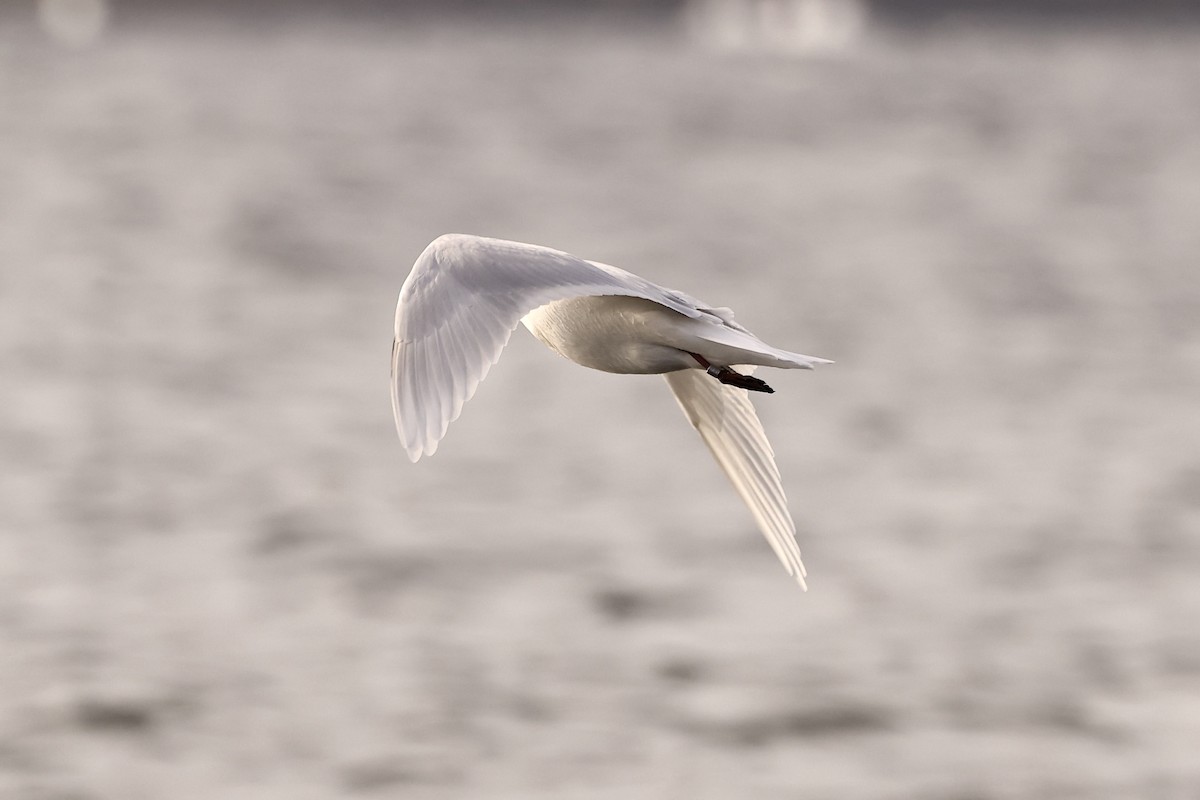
(73, 22)
(466, 294)
(795, 26)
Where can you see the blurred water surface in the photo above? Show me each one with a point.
(221, 577)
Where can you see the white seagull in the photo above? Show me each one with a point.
(466, 294)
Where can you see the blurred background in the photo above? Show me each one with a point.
(221, 577)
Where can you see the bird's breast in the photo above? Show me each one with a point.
(610, 333)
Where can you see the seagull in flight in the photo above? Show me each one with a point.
(466, 294)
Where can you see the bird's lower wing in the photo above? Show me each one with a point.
(727, 422)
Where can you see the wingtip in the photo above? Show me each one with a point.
(420, 450)
(799, 573)
(414, 450)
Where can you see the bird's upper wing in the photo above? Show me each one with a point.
(727, 422)
(458, 308)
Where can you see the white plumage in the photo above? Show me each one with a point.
(466, 295)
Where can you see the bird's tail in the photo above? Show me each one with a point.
(797, 360)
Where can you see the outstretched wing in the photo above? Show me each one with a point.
(459, 306)
(727, 422)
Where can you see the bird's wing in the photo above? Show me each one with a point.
(726, 420)
(457, 309)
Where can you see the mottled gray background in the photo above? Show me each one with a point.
(221, 578)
